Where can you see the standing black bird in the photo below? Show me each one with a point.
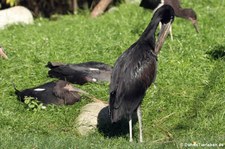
(135, 70)
(186, 13)
(80, 73)
(58, 93)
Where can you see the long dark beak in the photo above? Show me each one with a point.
(162, 36)
(195, 23)
(3, 54)
(72, 89)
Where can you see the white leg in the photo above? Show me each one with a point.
(140, 122)
(130, 128)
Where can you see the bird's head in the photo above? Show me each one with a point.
(64, 86)
(192, 16)
(166, 16)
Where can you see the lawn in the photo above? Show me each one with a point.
(186, 108)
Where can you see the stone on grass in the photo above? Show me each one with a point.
(90, 116)
(15, 15)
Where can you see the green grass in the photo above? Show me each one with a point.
(187, 106)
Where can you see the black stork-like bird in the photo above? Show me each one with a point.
(135, 70)
(186, 13)
(80, 73)
(56, 92)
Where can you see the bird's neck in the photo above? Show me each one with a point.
(148, 35)
(182, 13)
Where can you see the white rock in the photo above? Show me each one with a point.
(15, 15)
(90, 115)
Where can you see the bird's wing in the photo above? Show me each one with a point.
(42, 93)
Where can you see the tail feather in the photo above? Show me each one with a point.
(17, 92)
(53, 64)
(115, 110)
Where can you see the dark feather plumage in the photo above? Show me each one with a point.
(150, 4)
(80, 73)
(135, 70)
(59, 93)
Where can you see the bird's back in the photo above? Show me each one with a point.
(42, 93)
(81, 73)
(99, 65)
(150, 4)
(154, 4)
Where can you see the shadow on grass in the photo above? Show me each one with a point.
(218, 71)
(188, 121)
(218, 52)
(108, 129)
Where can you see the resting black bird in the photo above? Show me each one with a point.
(135, 70)
(58, 93)
(80, 73)
(186, 13)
